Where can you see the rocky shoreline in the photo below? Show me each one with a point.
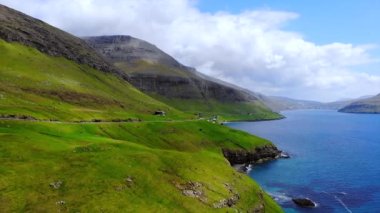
(256, 156)
(242, 160)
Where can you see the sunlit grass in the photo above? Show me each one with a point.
(93, 161)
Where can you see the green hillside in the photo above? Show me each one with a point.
(133, 167)
(106, 167)
(46, 87)
(226, 111)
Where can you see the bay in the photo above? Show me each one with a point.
(335, 160)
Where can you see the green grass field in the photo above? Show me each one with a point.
(226, 111)
(93, 161)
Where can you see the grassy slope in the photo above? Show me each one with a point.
(93, 161)
(48, 87)
(243, 111)
(151, 68)
(232, 111)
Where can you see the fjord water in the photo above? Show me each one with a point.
(335, 160)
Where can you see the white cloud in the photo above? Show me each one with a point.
(250, 49)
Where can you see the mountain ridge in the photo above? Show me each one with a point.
(368, 105)
(19, 27)
(164, 78)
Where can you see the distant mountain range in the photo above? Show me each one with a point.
(278, 104)
(366, 105)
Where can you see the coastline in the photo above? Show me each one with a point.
(259, 155)
(244, 160)
(256, 156)
(315, 139)
(258, 120)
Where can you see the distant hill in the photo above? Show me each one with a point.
(278, 103)
(161, 76)
(368, 105)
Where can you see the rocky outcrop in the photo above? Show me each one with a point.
(198, 190)
(304, 202)
(127, 183)
(56, 185)
(17, 117)
(60, 203)
(228, 202)
(160, 113)
(256, 156)
(192, 189)
(18, 27)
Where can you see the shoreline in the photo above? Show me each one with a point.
(258, 120)
(258, 155)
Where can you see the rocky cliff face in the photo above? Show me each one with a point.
(127, 49)
(186, 88)
(152, 70)
(258, 155)
(18, 27)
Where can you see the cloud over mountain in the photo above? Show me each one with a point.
(251, 49)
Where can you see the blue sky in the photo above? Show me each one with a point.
(322, 21)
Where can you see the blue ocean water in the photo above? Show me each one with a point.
(335, 160)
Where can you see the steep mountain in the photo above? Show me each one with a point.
(134, 162)
(161, 76)
(368, 105)
(49, 74)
